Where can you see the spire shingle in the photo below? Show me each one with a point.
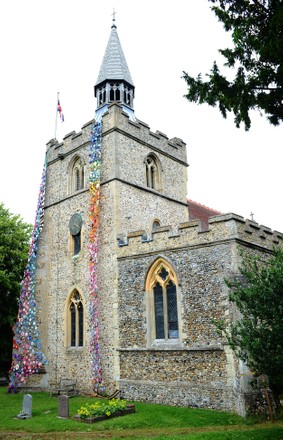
(114, 65)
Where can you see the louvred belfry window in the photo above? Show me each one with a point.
(153, 172)
(77, 176)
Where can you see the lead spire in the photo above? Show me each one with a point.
(114, 82)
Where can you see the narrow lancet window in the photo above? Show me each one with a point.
(172, 310)
(76, 320)
(159, 312)
(153, 173)
(76, 177)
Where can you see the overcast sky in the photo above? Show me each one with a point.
(58, 45)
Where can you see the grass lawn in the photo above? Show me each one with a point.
(150, 421)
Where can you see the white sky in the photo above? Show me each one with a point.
(58, 45)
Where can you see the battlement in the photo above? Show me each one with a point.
(221, 228)
(71, 141)
(116, 118)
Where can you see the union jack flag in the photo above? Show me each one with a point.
(59, 110)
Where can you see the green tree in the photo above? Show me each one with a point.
(257, 337)
(14, 247)
(256, 60)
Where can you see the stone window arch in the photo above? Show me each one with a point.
(75, 318)
(76, 175)
(153, 172)
(101, 95)
(162, 300)
(114, 92)
(128, 96)
(155, 225)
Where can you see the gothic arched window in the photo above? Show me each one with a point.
(76, 320)
(114, 92)
(76, 181)
(152, 172)
(155, 225)
(101, 96)
(161, 287)
(128, 96)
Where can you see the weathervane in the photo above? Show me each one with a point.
(113, 14)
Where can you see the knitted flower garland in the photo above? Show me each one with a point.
(27, 351)
(94, 181)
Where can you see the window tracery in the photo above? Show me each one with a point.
(153, 172)
(155, 225)
(77, 177)
(163, 302)
(75, 320)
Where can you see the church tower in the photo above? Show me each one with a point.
(138, 179)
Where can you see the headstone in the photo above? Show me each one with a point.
(63, 406)
(3, 381)
(26, 412)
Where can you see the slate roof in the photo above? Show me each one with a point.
(201, 213)
(114, 65)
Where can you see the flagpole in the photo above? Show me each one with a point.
(56, 115)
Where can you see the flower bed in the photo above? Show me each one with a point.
(94, 412)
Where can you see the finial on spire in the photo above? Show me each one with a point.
(113, 18)
(114, 82)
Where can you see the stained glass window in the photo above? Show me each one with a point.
(162, 284)
(73, 324)
(81, 323)
(172, 311)
(159, 312)
(76, 311)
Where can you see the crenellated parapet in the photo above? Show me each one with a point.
(222, 228)
(117, 119)
(71, 141)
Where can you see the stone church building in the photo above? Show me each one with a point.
(129, 273)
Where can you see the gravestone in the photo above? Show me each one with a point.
(63, 406)
(26, 412)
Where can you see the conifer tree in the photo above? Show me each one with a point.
(256, 61)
